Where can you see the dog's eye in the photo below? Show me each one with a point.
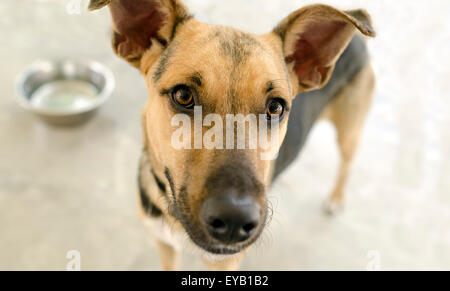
(275, 109)
(183, 96)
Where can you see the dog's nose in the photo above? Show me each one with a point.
(231, 218)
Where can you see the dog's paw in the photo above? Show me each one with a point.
(332, 206)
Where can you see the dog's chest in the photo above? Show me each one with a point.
(160, 229)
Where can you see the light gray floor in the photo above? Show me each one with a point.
(73, 189)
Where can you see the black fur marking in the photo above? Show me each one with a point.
(163, 63)
(161, 41)
(307, 107)
(270, 86)
(280, 31)
(197, 79)
(160, 184)
(238, 46)
(232, 94)
(171, 184)
(179, 21)
(165, 56)
(147, 205)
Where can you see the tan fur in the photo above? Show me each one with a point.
(170, 258)
(229, 264)
(183, 63)
(348, 113)
(235, 67)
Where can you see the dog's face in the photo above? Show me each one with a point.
(218, 194)
(225, 72)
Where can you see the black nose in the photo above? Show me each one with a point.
(231, 218)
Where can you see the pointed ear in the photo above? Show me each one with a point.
(137, 24)
(314, 37)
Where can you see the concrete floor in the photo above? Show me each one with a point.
(73, 189)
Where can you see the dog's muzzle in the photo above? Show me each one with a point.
(233, 210)
(231, 218)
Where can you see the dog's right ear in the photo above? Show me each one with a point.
(314, 37)
(137, 24)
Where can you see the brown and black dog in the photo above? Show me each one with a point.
(215, 199)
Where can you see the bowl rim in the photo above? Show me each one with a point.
(37, 65)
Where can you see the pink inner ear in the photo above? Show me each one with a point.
(314, 51)
(136, 22)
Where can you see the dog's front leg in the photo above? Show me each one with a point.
(348, 113)
(169, 256)
(229, 264)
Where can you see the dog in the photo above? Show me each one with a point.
(214, 200)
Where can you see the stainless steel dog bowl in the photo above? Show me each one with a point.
(65, 92)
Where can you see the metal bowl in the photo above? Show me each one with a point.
(66, 92)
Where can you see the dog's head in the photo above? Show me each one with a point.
(215, 187)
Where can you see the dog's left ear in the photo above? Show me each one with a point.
(314, 37)
(137, 24)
